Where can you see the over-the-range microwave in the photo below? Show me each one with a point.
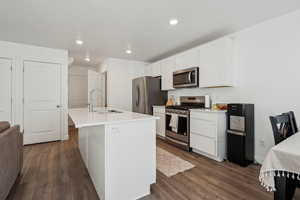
(186, 78)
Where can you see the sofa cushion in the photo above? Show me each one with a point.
(4, 126)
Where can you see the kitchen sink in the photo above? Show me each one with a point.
(108, 111)
(114, 111)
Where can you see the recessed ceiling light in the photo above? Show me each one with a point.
(79, 42)
(87, 59)
(173, 22)
(128, 51)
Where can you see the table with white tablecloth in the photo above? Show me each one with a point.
(283, 160)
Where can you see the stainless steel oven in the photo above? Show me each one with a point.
(178, 121)
(181, 135)
(186, 78)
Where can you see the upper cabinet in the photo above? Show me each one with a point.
(153, 69)
(156, 71)
(187, 59)
(216, 62)
(148, 70)
(167, 68)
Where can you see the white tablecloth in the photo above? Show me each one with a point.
(284, 157)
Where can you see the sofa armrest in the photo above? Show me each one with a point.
(9, 159)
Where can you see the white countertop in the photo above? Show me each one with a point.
(83, 118)
(208, 110)
(162, 106)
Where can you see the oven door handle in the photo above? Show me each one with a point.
(179, 115)
(190, 77)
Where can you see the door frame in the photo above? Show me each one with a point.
(61, 123)
(12, 93)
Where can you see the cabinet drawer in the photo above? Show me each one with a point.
(202, 143)
(208, 117)
(159, 110)
(156, 114)
(160, 124)
(203, 128)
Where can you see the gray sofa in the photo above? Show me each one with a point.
(11, 156)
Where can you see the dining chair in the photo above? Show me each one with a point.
(293, 121)
(283, 126)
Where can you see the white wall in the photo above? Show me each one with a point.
(78, 85)
(19, 53)
(119, 80)
(269, 70)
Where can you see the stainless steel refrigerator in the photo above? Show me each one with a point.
(146, 92)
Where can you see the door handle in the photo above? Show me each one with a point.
(58, 106)
(138, 94)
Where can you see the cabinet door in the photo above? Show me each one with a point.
(216, 63)
(167, 68)
(187, 59)
(156, 69)
(148, 70)
(5, 88)
(204, 144)
(83, 144)
(160, 124)
(204, 128)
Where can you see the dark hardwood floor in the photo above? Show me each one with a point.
(55, 171)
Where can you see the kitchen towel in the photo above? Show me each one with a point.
(174, 122)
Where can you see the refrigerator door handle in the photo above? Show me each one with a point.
(138, 96)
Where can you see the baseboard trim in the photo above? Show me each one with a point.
(65, 137)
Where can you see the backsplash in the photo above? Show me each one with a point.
(218, 95)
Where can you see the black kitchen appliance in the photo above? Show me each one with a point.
(240, 134)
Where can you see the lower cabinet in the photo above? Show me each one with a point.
(202, 143)
(208, 133)
(159, 111)
(83, 145)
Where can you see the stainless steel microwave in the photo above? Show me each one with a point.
(186, 78)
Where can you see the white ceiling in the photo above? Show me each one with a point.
(108, 27)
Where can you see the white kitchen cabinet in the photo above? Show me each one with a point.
(208, 133)
(104, 147)
(216, 62)
(187, 59)
(167, 68)
(159, 111)
(148, 70)
(83, 146)
(155, 69)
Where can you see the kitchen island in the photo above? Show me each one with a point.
(119, 151)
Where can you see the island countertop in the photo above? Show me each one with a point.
(83, 118)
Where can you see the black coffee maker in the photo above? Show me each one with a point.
(240, 133)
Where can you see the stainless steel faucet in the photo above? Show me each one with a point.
(91, 103)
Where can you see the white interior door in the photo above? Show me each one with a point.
(42, 102)
(103, 88)
(5, 90)
(94, 92)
